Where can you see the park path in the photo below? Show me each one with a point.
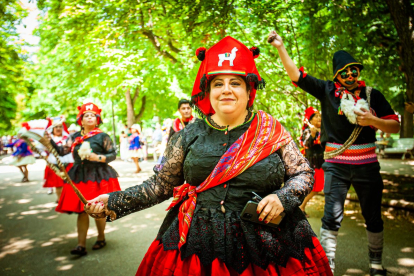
(35, 240)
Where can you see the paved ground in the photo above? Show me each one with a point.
(35, 240)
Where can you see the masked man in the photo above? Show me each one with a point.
(351, 113)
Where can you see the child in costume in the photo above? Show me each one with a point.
(22, 156)
(135, 152)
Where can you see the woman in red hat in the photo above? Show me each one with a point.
(59, 134)
(91, 174)
(311, 141)
(221, 160)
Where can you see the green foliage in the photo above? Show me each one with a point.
(101, 49)
(12, 68)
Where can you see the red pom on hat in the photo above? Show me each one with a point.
(255, 51)
(201, 53)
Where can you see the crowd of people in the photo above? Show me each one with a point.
(215, 165)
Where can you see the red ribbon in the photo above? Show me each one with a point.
(79, 140)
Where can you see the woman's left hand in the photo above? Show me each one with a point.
(269, 208)
(93, 157)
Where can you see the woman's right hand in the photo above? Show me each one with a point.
(275, 39)
(97, 205)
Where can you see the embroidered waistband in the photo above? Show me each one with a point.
(354, 155)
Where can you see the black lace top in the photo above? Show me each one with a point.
(314, 151)
(191, 155)
(85, 170)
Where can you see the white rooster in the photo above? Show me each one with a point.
(348, 106)
(85, 150)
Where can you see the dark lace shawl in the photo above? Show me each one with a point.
(192, 154)
(313, 152)
(85, 170)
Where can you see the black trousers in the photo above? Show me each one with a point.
(368, 185)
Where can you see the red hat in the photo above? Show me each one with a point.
(89, 107)
(308, 113)
(227, 57)
(55, 121)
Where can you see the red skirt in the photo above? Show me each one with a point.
(69, 201)
(319, 180)
(52, 180)
(158, 262)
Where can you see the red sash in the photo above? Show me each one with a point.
(179, 125)
(79, 140)
(264, 136)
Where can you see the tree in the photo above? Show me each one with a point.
(141, 54)
(402, 13)
(12, 63)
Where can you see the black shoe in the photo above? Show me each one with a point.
(98, 245)
(377, 272)
(79, 250)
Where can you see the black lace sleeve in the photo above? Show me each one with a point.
(298, 177)
(110, 151)
(65, 149)
(157, 188)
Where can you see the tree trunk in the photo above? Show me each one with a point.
(141, 111)
(402, 13)
(130, 108)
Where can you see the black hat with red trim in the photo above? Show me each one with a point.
(341, 60)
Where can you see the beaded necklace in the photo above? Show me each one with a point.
(210, 122)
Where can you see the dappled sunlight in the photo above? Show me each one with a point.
(407, 249)
(61, 258)
(31, 183)
(354, 271)
(136, 228)
(24, 201)
(46, 244)
(65, 267)
(34, 212)
(93, 232)
(406, 262)
(46, 205)
(51, 217)
(15, 245)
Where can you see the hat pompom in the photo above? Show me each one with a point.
(26, 125)
(201, 53)
(255, 51)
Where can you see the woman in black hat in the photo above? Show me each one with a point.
(351, 113)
